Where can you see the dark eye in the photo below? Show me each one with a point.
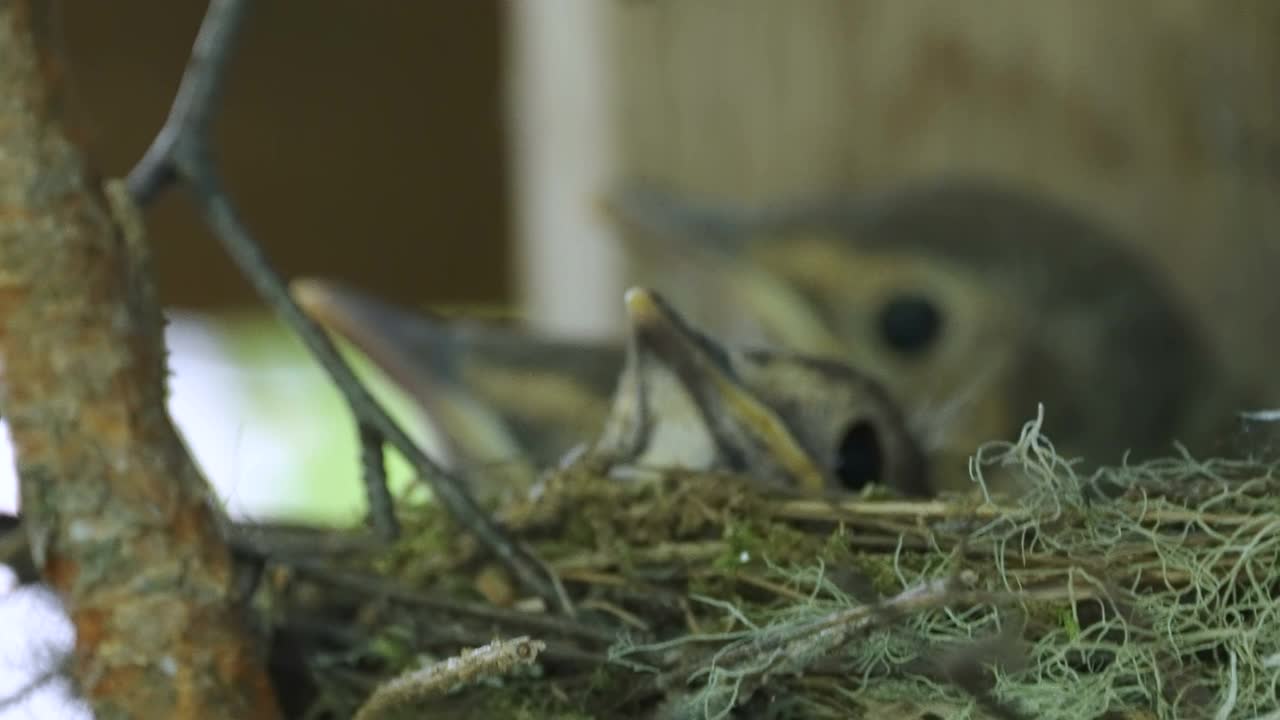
(910, 323)
(859, 458)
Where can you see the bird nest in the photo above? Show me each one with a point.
(1143, 591)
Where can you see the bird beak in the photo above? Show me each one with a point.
(736, 419)
(390, 337)
(415, 356)
(658, 228)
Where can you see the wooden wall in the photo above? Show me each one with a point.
(368, 140)
(1161, 117)
(362, 140)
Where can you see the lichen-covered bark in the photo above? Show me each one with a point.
(117, 511)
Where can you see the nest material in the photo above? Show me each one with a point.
(1146, 591)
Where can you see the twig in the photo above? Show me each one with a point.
(775, 588)
(497, 658)
(283, 541)
(609, 608)
(857, 509)
(374, 462)
(15, 551)
(448, 635)
(181, 141)
(32, 686)
(369, 585)
(182, 152)
(13, 540)
(779, 651)
(668, 555)
(835, 629)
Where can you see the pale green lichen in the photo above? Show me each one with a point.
(1145, 591)
(1182, 564)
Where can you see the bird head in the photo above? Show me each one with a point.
(808, 424)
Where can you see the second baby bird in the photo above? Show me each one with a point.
(676, 398)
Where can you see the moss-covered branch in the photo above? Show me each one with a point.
(117, 513)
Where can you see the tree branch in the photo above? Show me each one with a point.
(192, 111)
(115, 509)
(31, 687)
(182, 151)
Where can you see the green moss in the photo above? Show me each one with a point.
(1157, 616)
(1068, 622)
(879, 571)
(760, 541)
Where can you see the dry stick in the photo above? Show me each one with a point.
(182, 151)
(199, 92)
(831, 630)
(373, 586)
(15, 551)
(283, 541)
(853, 510)
(31, 687)
(493, 660)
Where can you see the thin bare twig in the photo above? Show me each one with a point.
(180, 141)
(31, 687)
(15, 550)
(789, 650)
(370, 585)
(182, 152)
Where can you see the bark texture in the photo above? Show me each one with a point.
(118, 513)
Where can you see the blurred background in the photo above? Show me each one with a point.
(452, 154)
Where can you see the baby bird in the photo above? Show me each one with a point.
(680, 400)
(970, 301)
(686, 402)
(493, 395)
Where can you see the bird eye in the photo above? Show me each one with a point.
(910, 323)
(859, 458)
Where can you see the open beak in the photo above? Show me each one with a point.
(415, 356)
(740, 423)
(395, 340)
(661, 228)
